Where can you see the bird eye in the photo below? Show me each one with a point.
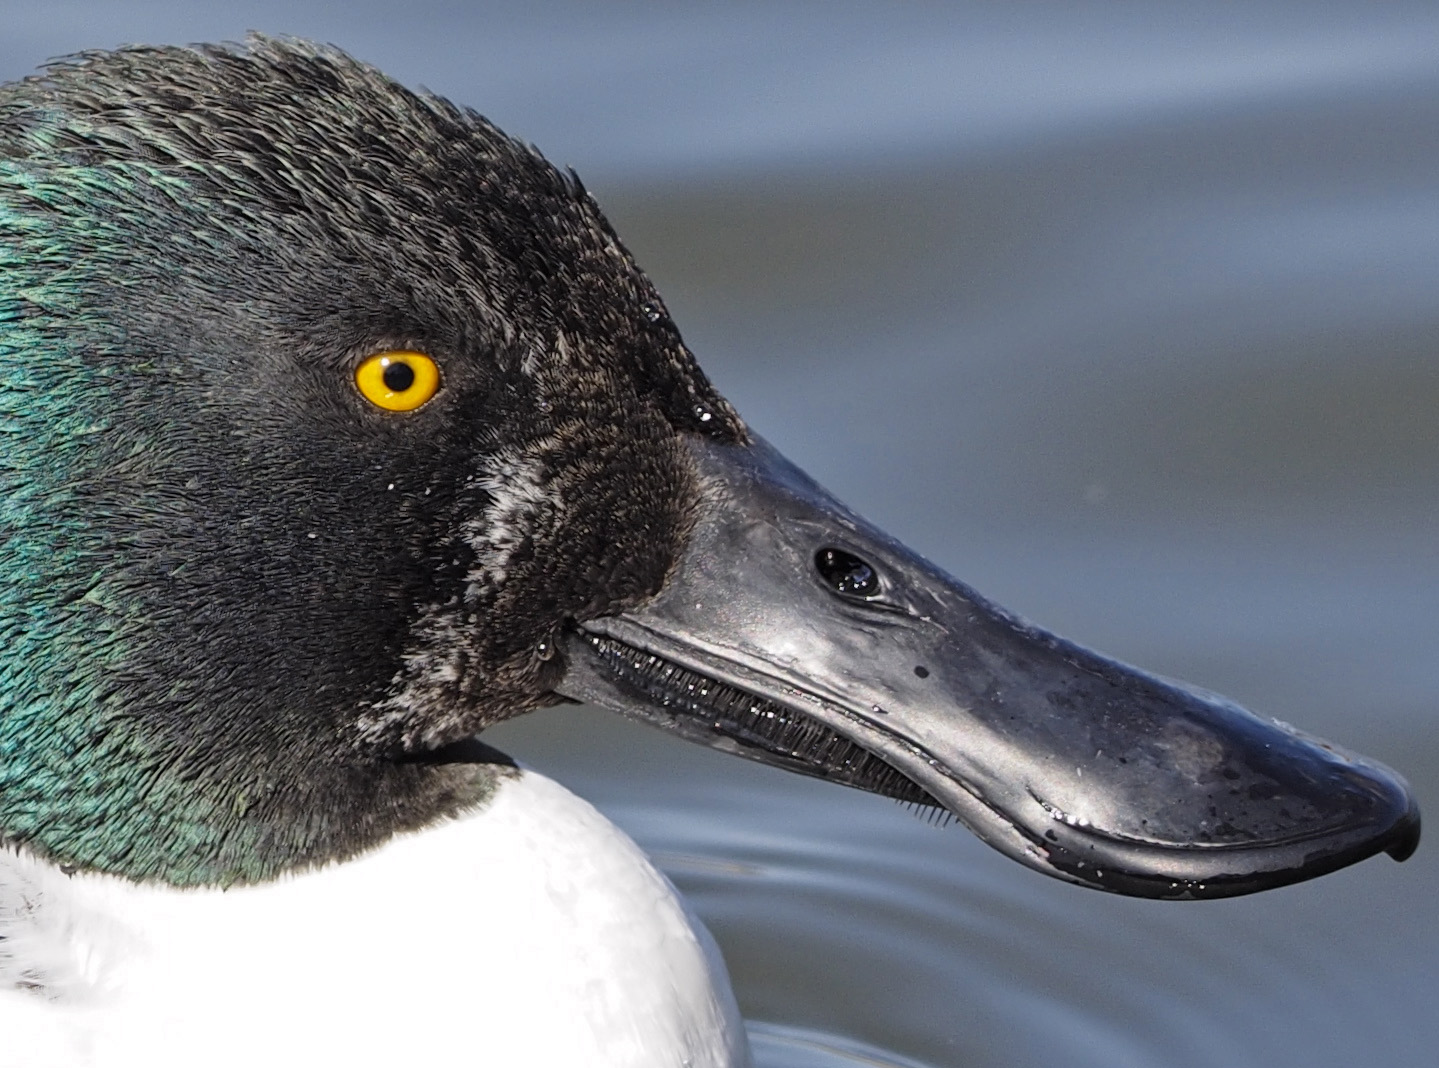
(398, 381)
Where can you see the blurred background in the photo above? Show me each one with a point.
(1126, 314)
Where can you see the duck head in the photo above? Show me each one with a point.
(339, 426)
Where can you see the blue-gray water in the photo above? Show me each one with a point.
(1126, 314)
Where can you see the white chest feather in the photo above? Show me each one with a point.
(533, 933)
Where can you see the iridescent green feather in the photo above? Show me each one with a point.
(219, 560)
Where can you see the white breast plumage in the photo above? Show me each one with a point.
(533, 932)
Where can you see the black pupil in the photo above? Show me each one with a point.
(846, 573)
(399, 377)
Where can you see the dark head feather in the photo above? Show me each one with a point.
(240, 600)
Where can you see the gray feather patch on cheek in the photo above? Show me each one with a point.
(430, 700)
(519, 495)
(425, 694)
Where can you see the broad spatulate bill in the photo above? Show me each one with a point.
(794, 633)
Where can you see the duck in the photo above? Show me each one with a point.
(338, 427)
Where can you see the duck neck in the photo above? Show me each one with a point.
(94, 788)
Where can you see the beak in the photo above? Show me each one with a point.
(794, 633)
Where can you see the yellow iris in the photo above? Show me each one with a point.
(398, 381)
